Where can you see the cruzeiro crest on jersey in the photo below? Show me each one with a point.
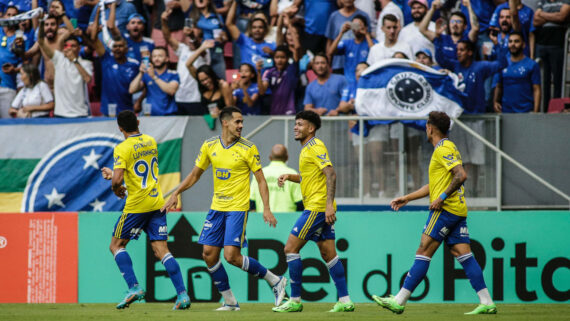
(409, 92)
(69, 178)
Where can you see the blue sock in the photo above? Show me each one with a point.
(417, 272)
(126, 267)
(173, 270)
(252, 266)
(295, 273)
(336, 270)
(219, 276)
(473, 271)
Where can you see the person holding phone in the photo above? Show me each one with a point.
(9, 61)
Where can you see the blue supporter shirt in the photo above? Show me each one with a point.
(334, 25)
(353, 54)
(209, 24)
(245, 109)
(7, 56)
(483, 10)
(517, 80)
(135, 47)
(251, 50)
(316, 14)
(473, 77)
(448, 47)
(526, 17)
(161, 103)
(116, 80)
(327, 95)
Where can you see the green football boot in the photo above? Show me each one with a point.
(389, 303)
(343, 307)
(484, 309)
(289, 306)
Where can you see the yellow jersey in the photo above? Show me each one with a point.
(231, 167)
(138, 156)
(313, 158)
(444, 158)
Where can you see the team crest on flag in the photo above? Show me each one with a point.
(409, 91)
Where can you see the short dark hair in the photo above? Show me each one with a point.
(518, 33)
(127, 120)
(468, 44)
(311, 117)
(324, 55)
(73, 38)
(361, 18)
(390, 17)
(227, 112)
(161, 48)
(440, 120)
(460, 15)
(284, 49)
(12, 7)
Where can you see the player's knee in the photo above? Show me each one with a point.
(232, 258)
(289, 249)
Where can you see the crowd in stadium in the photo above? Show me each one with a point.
(267, 57)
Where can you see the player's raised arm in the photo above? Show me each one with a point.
(188, 182)
(459, 177)
(399, 202)
(268, 217)
(330, 212)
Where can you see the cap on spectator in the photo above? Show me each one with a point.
(425, 51)
(137, 16)
(424, 2)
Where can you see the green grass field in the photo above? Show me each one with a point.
(250, 312)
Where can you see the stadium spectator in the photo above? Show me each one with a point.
(411, 34)
(35, 99)
(551, 18)
(388, 7)
(457, 26)
(139, 46)
(9, 61)
(215, 92)
(54, 41)
(424, 56)
(316, 14)
(346, 13)
(124, 10)
(72, 73)
(323, 95)
(524, 24)
(161, 84)
(252, 47)
(355, 50)
(58, 10)
(204, 15)
(518, 87)
(281, 199)
(501, 37)
(483, 10)
(187, 96)
(370, 8)
(282, 80)
(175, 22)
(246, 90)
(117, 73)
(391, 45)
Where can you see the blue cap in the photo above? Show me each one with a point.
(425, 51)
(136, 16)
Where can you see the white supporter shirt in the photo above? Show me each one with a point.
(413, 37)
(71, 98)
(380, 52)
(188, 90)
(35, 96)
(391, 8)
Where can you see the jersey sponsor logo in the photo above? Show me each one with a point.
(409, 92)
(463, 231)
(223, 173)
(207, 225)
(163, 229)
(135, 231)
(322, 157)
(117, 161)
(153, 193)
(448, 157)
(444, 231)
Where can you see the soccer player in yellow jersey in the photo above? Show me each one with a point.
(136, 164)
(446, 220)
(318, 183)
(233, 158)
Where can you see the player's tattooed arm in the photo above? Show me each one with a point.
(330, 213)
(459, 176)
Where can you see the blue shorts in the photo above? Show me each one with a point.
(224, 228)
(130, 225)
(442, 225)
(311, 226)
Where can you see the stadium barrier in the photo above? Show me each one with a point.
(523, 255)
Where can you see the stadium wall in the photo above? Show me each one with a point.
(523, 255)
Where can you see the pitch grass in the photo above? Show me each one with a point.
(259, 311)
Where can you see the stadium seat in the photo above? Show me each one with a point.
(232, 75)
(556, 105)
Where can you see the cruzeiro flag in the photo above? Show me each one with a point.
(404, 88)
(54, 164)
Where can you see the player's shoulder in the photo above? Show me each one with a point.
(245, 142)
(211, 141)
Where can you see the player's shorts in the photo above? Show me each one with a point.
(224, 228)
(130, 225)
(442, 225)
(311, 226)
